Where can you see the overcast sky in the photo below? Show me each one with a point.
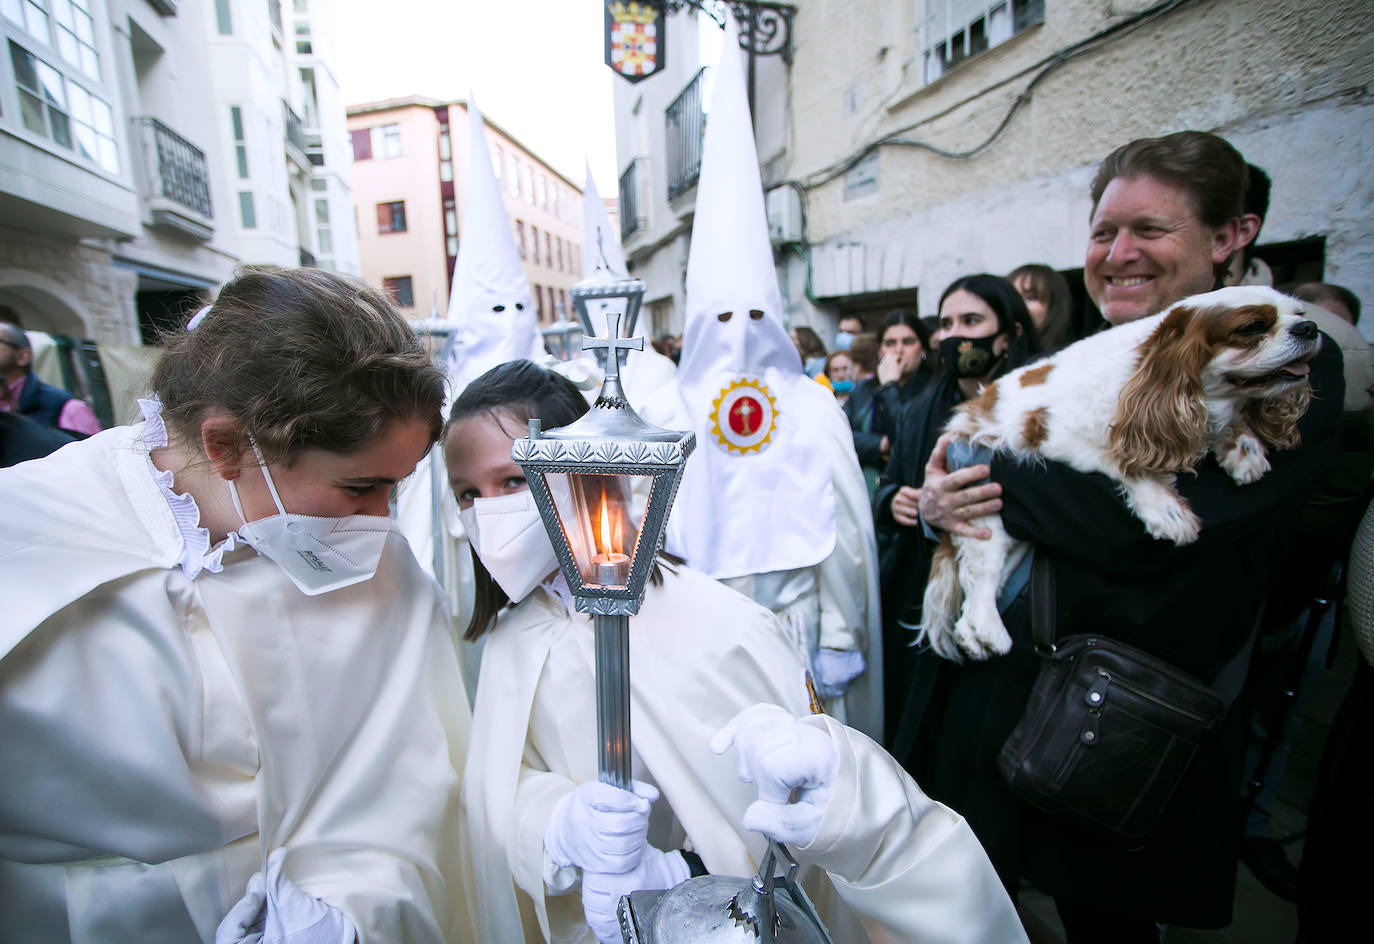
(535, 66)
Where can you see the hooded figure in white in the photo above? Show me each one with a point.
(495, 321)
(643, 373)
(773, 502)
(491, 301)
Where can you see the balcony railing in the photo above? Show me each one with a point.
(307, 258)
(176, 168)
(295, 128)
(686, 124)
(629, 206)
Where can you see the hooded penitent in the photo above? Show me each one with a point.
(491, 300)
(641, 373)
(757, 495)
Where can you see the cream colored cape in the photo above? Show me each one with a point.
(833, 604)
(910, 866)
(162, 734)
(699, 653)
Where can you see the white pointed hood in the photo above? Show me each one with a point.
(491, 301)
(598, 237)
(757, 495)
(645, 372)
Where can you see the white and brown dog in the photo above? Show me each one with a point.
(1224, 372)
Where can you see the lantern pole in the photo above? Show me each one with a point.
(612, 630)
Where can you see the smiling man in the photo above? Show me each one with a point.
(1166, 218)
(1165, 222)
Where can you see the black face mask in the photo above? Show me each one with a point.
(969, 357)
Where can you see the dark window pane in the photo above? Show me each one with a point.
(24, 72)
(31, 107)
(61, 129)
(362, 144)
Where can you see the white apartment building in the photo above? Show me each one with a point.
(149, 146)
(286, 154)
(909, 142)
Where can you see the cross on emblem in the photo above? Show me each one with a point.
(613, 344)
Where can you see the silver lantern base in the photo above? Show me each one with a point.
(720, 909)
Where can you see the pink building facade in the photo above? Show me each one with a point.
(410, 172)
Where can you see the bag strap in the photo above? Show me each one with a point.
(1042, 601)
(1228, 681)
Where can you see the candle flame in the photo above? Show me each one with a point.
(605, 526)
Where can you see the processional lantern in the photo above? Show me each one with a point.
(589, 480)
(563, 338)
(604, 486)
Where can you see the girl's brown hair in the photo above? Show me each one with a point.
(302, 359)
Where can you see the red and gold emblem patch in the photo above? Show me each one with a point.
(744, 417)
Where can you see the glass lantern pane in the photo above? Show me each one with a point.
(601, 516)
(599, 308)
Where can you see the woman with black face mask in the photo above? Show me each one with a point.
(984, 331)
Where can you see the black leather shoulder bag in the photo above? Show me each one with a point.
(1109, 730)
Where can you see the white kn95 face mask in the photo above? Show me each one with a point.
(318, 554)
(509, 537)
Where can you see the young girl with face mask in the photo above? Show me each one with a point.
(701, 659)
(228, 692)
(699, 653)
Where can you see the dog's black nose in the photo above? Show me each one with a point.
(1306, 330)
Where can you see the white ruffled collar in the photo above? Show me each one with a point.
(196, 552)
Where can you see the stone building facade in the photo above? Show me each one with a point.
(912, 141)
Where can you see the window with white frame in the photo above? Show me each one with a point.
(65, 26)
(64, 112)
(386, 141)
(954, 30)
(240, 142)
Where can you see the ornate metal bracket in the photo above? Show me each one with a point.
(765, 29)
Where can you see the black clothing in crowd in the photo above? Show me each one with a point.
(1194, 606)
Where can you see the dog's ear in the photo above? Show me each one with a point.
(1275, 419)
(1160, 421)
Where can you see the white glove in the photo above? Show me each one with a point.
(294, 917)
(835, 669)
(602, 891)
(600, 828)
(780, 754)
(243, 923)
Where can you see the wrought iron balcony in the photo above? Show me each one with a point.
(630, 206)
(295, 136)
(307, 258)
(178, 180)
(686, 125)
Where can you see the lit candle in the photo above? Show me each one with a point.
(611, 568)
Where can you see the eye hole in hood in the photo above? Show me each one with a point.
(756, 314)
(724, 316)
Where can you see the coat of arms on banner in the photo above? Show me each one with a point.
(744, 417)
(634, 38)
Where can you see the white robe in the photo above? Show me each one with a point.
(833, 604)
(162, 734)
(910, 866)
(698, 655)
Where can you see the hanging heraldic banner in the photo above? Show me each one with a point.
(635, 38)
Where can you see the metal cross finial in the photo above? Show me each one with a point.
(614, 344)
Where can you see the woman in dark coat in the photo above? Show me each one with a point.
(984, 331)
(875, 404)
